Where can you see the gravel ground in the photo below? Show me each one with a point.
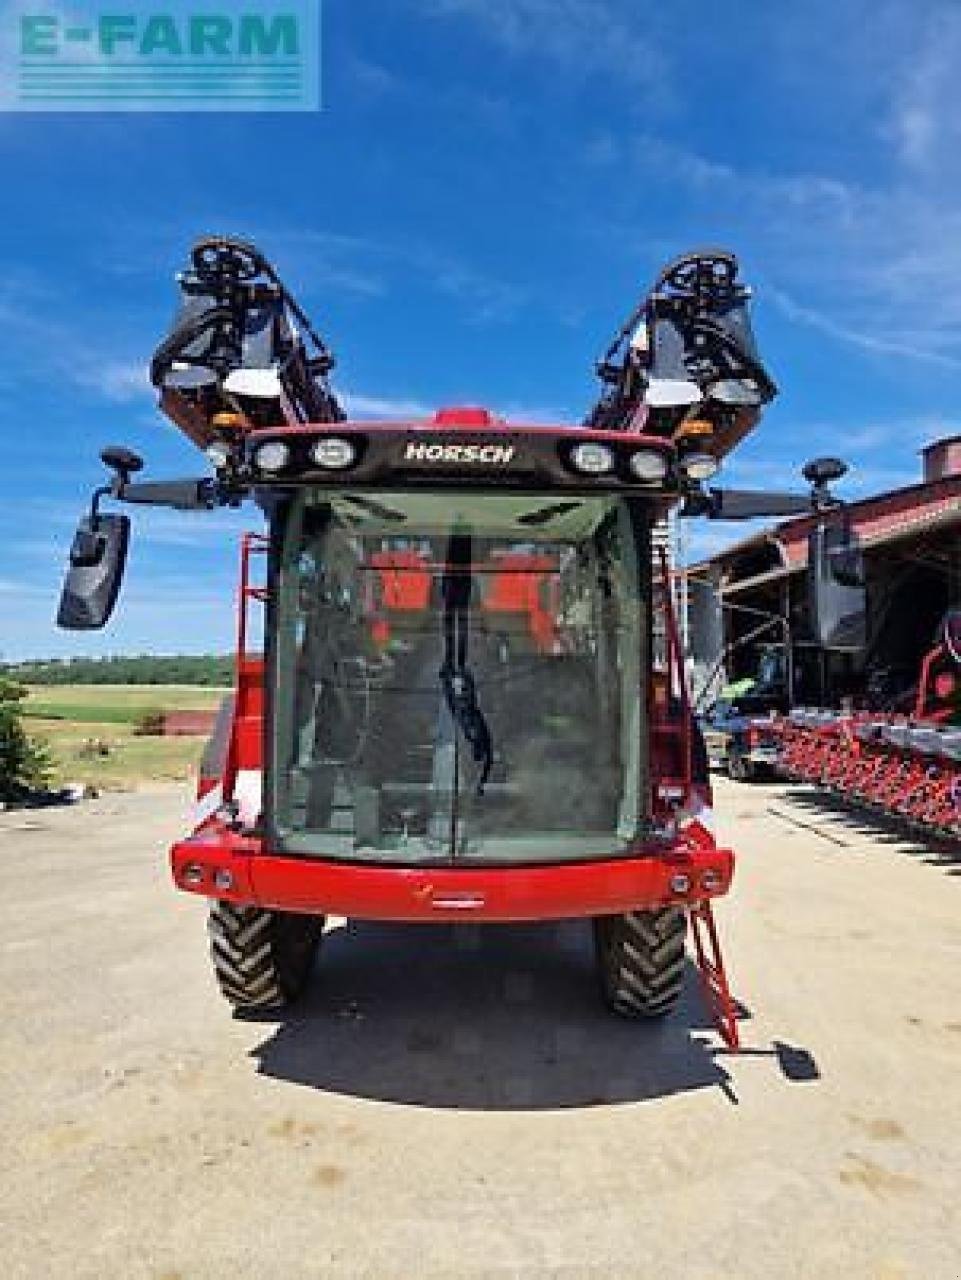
(456, 1101)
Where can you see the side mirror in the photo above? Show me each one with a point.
(847, 565)
(97, 559)
(122, 461)
(837, 588)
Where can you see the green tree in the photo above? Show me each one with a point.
(204, 669)
(23, 764)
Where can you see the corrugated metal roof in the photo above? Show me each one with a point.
(882, 519)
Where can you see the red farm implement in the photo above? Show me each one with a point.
(461, 711)
(904, 767)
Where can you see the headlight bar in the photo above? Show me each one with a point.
(411, 455)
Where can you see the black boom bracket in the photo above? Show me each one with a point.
(688, 343)
(241, 344)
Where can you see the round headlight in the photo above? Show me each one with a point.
(219, 454)
(334, 454)
(648, 465)
(700, 466)
(272, 456)
(593, 459)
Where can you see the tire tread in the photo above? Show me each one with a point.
(261, 959)
(641, 961)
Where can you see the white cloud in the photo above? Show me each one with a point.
(915, 128)
(587, 38)
(375, 407)
(371, 78)
(39, 345)
(373, 267)
(546, 415)
(115, 380)
(873, 266)
(924, 125)
(876, 344)
(362, 406)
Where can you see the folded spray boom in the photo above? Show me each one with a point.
(235, 359)
(242, 358)
(684, 364)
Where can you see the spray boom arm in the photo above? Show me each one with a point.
(684, 364)
(245, 375)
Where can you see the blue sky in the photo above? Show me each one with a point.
(490, 185)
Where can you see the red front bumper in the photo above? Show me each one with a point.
(218, 863)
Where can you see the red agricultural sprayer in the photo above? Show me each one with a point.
(470, 704)
(905, 763)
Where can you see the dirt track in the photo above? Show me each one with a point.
(457, 1101)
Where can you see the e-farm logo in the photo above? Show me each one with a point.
(258, 57)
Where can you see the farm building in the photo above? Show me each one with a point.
(753, 598)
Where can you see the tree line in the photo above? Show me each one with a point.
(205, 670)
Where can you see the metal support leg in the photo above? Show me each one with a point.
(710, 964)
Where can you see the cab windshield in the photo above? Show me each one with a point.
(458, 677)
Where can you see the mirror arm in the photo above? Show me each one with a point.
(105, 491)
(181, 495)
(744, 504)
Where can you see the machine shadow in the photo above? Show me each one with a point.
(484, 1018)
(880, 827)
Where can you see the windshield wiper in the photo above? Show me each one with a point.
(375, 508)
(460, 690)
(461, 694)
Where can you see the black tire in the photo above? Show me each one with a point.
(261, 959)
(739, 769)
(640, 961)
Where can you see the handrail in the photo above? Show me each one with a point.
(250, 544)
(675, 668)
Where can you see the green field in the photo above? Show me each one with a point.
(88, 730)
(114, 703)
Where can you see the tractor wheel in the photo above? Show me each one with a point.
(739, 769)
(261, 959)
(640, 961)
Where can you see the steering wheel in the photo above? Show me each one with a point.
(220, 256)
(702, 273)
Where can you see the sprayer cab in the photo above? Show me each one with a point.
(470, 702)
(493, 721)
(461, 625)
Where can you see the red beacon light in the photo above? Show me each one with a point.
(465, 416)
